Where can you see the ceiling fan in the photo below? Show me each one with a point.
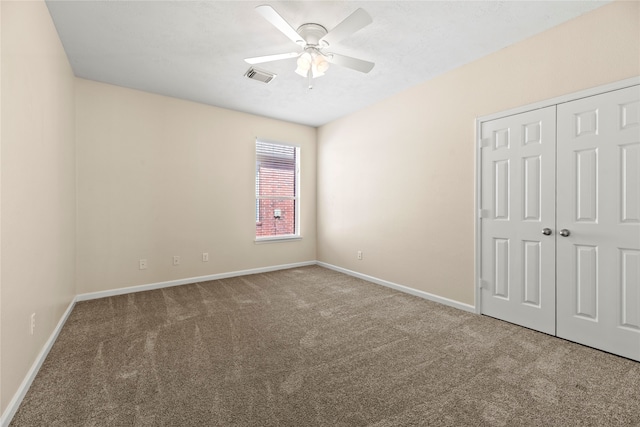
(313, 60)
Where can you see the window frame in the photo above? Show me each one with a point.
(296, 196)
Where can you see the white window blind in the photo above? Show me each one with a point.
(277, 186)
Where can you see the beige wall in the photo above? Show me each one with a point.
(159, 177)
(396, 180)
(37, 187)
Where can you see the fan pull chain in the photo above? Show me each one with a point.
(310, 80)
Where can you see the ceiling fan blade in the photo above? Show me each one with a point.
(350, 62)
(352, 23)
(278, 21)
(269, 58)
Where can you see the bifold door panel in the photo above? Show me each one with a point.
(560, 227)
(518, 197)
(598, 263)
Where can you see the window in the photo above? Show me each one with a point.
(277, 190)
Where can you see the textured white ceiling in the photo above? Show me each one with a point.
(195, 50)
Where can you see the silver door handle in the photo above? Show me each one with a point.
(546, 231)
(565, 233)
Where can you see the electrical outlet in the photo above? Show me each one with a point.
(205, 256)
(176, 260)
(360, 255)
(143, 264)
(32, 323)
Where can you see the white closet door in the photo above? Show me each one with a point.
(598, 263)
(518, 202)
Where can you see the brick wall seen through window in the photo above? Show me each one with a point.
(276, 190)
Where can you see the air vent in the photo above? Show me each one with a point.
(259, 75)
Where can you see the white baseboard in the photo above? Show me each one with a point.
(405, 289)
(189, 280)
(15, 402)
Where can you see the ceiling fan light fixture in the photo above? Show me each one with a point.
(320, 64)
(304, 64)
(313, 61)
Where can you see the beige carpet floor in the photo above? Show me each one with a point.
(313, 347)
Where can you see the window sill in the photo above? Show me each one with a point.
(276, 239)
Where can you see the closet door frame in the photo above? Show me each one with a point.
(478, 162)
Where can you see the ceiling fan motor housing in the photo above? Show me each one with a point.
(312, 33)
